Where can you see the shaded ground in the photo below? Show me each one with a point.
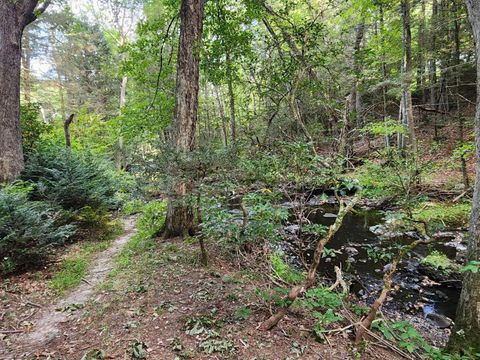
(164, 305)
(44, 324)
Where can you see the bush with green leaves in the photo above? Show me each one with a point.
(28, 229)
(72, 180)
(32, 126)
(287, 162)
(226, 226)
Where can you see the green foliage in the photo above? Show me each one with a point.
(408, 337)
(242, 313)
(71, 274)
(322, 298)
(28, 229)
(473, 266)
(323, 320)
(132, 207)
(139, 350)
(73, 269)
(395, 176)
(315, 229)
(387, 128)
(377, 253)
(464, 150)
(211, 346)
(287, 162)
(439, 261)
(443, 215)
(284, 271)
(222, 225)
(148, 224)
(152, 218)
(32, 127)
(72, 180)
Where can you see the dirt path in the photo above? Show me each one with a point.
(49, 318)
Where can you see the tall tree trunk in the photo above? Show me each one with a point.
(353, 101)
(467, 323)
(457, 62)
(119, 151)
(420, 54)
(11, 151)
(384, 76)
(221, 111)
(231, 96)
(407, 78)
(14, 16)
(180, 219)
(433, 61)
(26, 72)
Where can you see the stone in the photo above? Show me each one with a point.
(441, 321)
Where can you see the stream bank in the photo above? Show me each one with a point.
(425, 291)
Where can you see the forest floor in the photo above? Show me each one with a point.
(161, 304)
(151, 298)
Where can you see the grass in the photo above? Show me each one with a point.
(142, 243)
(73, 269)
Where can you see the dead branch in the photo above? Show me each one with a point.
(66, 130)
(387, 284)
(339, 281)
(11, 331)
(310, 280)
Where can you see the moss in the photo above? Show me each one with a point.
(443, 215)
(439, 261)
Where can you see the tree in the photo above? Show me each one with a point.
(467, 324)
(406, 102)
(180, 218)
(14, 17)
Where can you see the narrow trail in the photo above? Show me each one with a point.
(49, 318)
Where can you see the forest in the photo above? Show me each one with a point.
(240, 179)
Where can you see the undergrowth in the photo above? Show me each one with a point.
(73, 269)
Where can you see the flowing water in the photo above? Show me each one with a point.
(362, 255)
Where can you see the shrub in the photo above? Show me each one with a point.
(72, 180)
(28, 230)
(32, 127)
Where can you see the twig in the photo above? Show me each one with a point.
(33, 304)
(459, 197)
(339, 281)
(86, 281)
(11, 331)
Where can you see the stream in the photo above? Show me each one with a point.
(361, 250)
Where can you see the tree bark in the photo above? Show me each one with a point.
(14, 16)
(66, 130)
(180, 219)
(407, 81)
(466, 332)
(222, 116)
(26, 71)
(231, 95)
(352, 116)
